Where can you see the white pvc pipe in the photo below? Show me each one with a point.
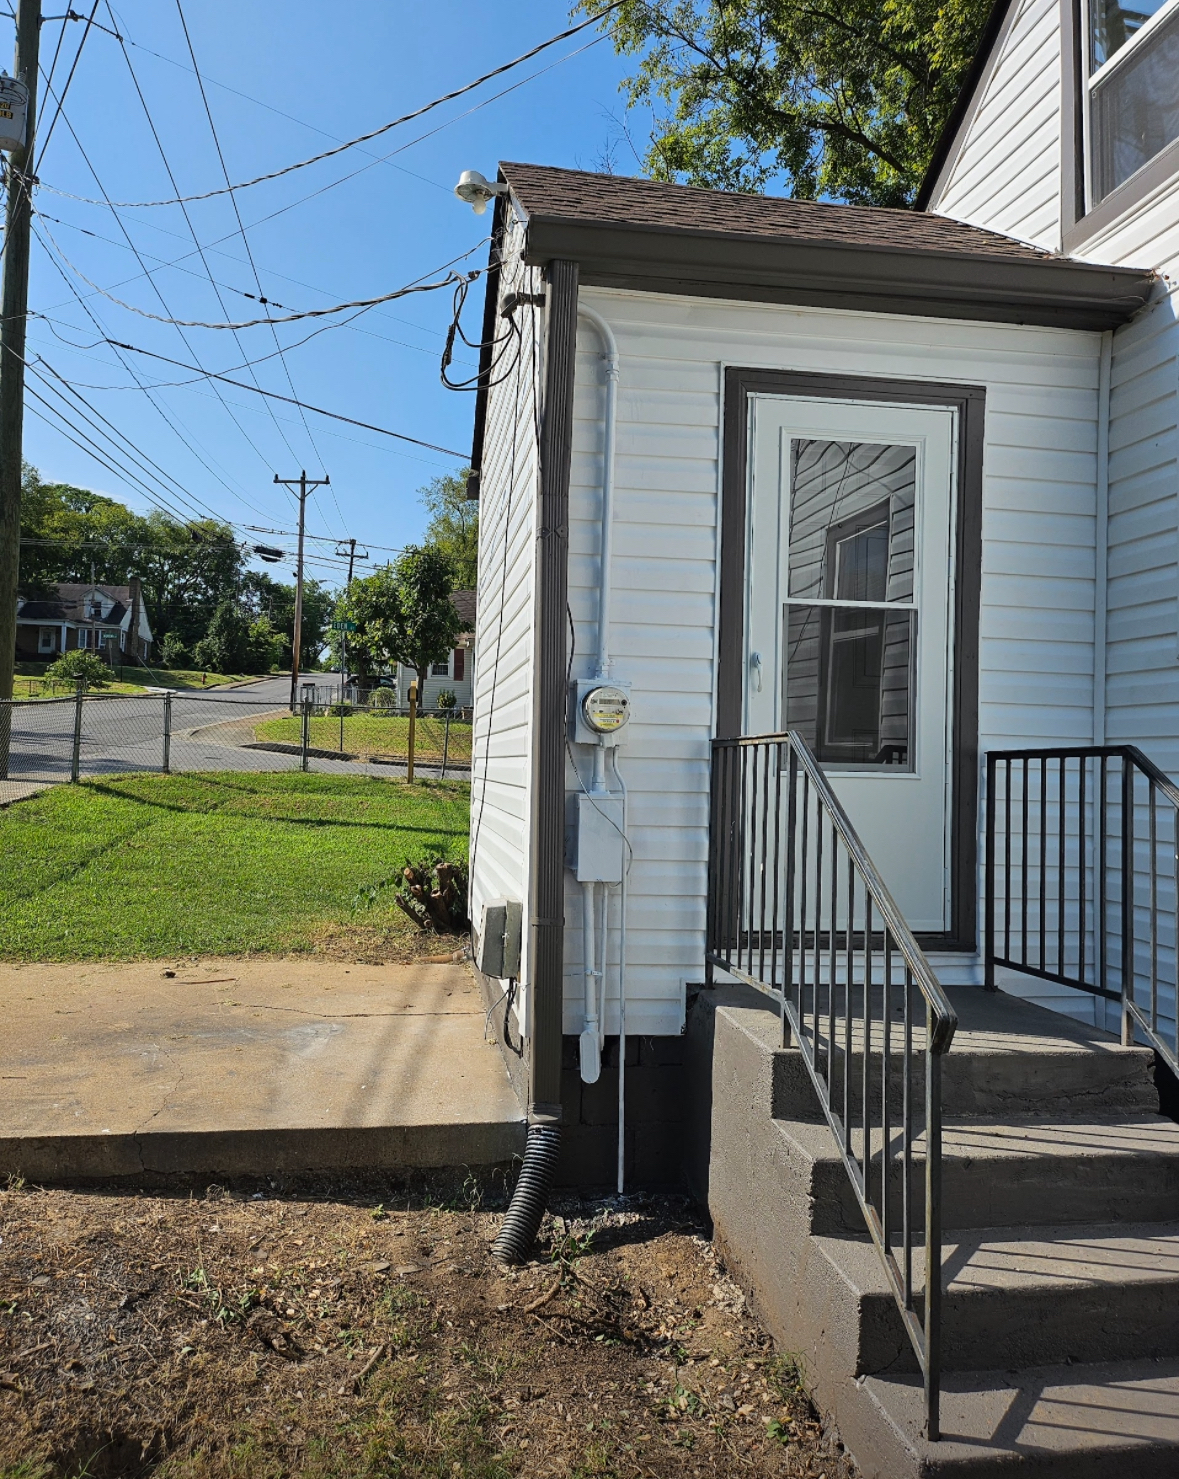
(621, 993)
(590, 1045)
(610, 355)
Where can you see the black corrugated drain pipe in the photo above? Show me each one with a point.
(516, 1237)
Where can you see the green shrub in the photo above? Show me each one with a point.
(340, 711)
(382, 698)
(173, 652)
(71, 666)
(446, 699)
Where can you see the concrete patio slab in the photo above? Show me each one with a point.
(247, 1067)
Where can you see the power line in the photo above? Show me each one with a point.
(69, 79)
(451, 280)
(119, 221)
(361, 138)
(319, 411)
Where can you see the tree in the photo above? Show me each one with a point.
(271, 598)
(454, 525)
(237, 642)
(845, 100)
(403, 612)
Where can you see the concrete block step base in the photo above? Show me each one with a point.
(1015, 1173)
(1108, 1421)
(1021, 1297)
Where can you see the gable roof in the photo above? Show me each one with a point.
(647, 234)
(464, 602)
(67, 602)
(964, 106)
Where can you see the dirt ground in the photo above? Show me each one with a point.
(263, 1334)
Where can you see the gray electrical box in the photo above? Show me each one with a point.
(594, 842)
(499, 938)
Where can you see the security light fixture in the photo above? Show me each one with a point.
(477, 190)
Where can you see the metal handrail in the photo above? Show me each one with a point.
(1083, 888)
(798, 910)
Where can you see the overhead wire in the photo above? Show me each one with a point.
(155, 287)
(319, 410)
(147, 390)
(69, 79)
(364, 138)
(187, 221)
(249, 254)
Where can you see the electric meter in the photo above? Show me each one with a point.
(606, 709)
(600, 710)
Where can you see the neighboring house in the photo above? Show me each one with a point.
(899, 490)
(456, 674)
(110, 620)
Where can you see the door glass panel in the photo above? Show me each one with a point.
(849, 677)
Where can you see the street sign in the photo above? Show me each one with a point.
(343, 626)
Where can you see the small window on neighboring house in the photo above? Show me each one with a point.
(440, 670)
(45, 642)
(460, 664)
(1132, 101)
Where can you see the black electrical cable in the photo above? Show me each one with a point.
(319, 411)
(69, 79)
(361, 138)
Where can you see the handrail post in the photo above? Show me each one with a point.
(933, 1233)
(989, 886)
(76, 753)
(1128, 899)
(788, 926)
(167, 767)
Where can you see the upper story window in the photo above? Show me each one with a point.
(1131, 89)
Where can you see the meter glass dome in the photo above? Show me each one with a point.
(606, 709)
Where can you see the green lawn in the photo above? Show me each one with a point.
(367, 735)
(30, 682)
(145, 866)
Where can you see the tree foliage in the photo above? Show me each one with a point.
(403, 612)
(237, 642)
(845, 100)
(453, 526)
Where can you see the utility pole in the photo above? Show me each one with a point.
(13, 311)
(303, 483)
(351, 543)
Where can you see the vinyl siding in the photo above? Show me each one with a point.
(1038, 565)
(504, 656)
(1005, 174)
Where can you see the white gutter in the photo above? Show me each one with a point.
(1101, 543)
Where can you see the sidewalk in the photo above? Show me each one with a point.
(245, 1068)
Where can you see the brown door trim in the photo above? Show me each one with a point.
(970, 403)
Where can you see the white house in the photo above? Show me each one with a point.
(454, 675)
(828, 569)
(109, 619)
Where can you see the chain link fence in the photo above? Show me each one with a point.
(94, 734)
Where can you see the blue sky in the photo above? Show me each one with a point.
(335, 72)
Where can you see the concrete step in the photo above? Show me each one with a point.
(1018, 1173)
(1009, 1057)
(1059, 1422)
(1024, 1297)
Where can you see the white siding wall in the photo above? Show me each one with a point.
(1038, 564)
(501, 771)
(1006, 175)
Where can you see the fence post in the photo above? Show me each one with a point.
(76, 756)
(413, 719)
(306, 739)
(446, 744)
(167, 733)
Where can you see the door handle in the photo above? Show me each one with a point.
(755, 664)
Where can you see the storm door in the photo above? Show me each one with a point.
(848, 618)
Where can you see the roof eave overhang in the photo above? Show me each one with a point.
(1051, 291)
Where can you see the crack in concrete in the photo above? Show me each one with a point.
(261, 1006)
(139, 1129)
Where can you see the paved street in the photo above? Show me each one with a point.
(210, 731)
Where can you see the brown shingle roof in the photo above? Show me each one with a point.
(618, 200)
(464, 603)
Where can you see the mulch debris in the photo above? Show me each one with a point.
(258, 1334)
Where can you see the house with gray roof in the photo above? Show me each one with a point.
(109, 620)
(826, 720)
